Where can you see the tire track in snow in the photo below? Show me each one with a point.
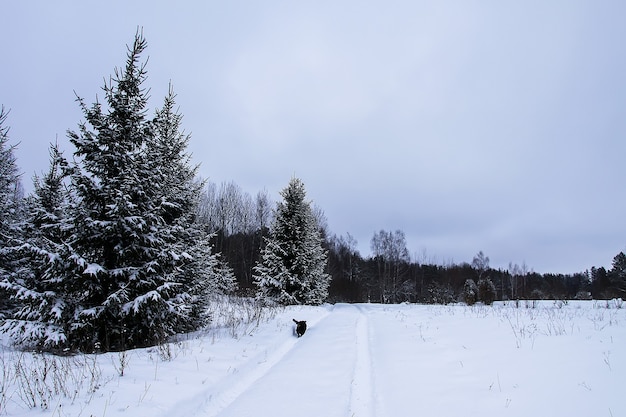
(210, 403)
(362, 400)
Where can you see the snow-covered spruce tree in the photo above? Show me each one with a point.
(43, 295)
(204, 274)
(291, 270)
(126, 221)
(470, 292)
(11, 212)
(179, 190)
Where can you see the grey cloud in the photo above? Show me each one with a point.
(469, 126)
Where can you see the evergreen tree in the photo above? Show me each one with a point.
(292, 269)
(486, 291)
(178, 191)
(116, 260)
(617, 275)
(177, 197)
(127, 223)
(45, 309)
(600, 283)
(11, 212)
(470, 292)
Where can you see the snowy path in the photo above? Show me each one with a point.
(362, 399)
(319, 376)
(326, 372)
(215, 399)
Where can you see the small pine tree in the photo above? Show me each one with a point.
(293, 262)
(486, 291)
(470, 292)
(206, 276)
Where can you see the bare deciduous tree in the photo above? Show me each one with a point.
(389, 249)
(481, 264)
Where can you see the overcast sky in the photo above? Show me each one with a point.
(490, 125)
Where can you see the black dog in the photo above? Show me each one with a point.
(300, 327)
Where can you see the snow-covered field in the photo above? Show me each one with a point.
(355, 360)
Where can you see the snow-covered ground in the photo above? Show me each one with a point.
(354, 360)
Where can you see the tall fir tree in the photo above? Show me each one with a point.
(292, 268)
(177, 199)
(11, 212)
(178, 192)
(126, 230)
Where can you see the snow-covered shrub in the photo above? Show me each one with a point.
(440, 294)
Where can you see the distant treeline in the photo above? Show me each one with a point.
(239, 223)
